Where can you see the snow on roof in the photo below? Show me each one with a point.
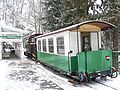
(80, 24)
(6, 28)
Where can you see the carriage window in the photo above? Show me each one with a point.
(44, 45)
(60, 45)
(85, 36)
(50, 43)
(39, 45)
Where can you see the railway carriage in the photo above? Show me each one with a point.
(76, 50)
(31, 47)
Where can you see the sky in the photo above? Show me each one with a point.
(98, 2)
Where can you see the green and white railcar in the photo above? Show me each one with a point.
(76, 50)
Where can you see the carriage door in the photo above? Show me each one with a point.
(85, 38)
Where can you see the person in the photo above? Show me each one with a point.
(87, 47)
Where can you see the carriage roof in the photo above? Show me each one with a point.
(87, 26)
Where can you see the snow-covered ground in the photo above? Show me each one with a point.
(26, 75)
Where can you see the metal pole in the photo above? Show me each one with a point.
(78, 49)
(77, 40)
(98, 40)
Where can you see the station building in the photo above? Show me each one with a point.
(11, 41)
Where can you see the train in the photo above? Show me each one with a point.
(30, 47)
(76, 51)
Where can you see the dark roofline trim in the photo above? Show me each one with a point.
(76, 26)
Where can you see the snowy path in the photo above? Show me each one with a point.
(26, 75)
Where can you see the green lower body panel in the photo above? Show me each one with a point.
(90, 62)
(57, 61)
(81, 62)
(74, 64)
(94, 61)
(97, 62)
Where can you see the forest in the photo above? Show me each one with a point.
(48, 15)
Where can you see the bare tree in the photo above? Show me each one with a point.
(35, 14)
(12, 11)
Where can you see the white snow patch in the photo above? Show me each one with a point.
(26, 75)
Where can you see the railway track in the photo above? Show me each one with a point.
(96, 85)
(93, 84)
(106, 85)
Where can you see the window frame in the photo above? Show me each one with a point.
(51, 45)
(44, 45)
(39, 45)
(62, 46)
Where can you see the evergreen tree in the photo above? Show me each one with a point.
(62, 13)
(54, 11)
(111, 13)
(108, 10)
(79, 9)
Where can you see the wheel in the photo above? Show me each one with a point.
(93, 78)
(83, 78)
(114, 75)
